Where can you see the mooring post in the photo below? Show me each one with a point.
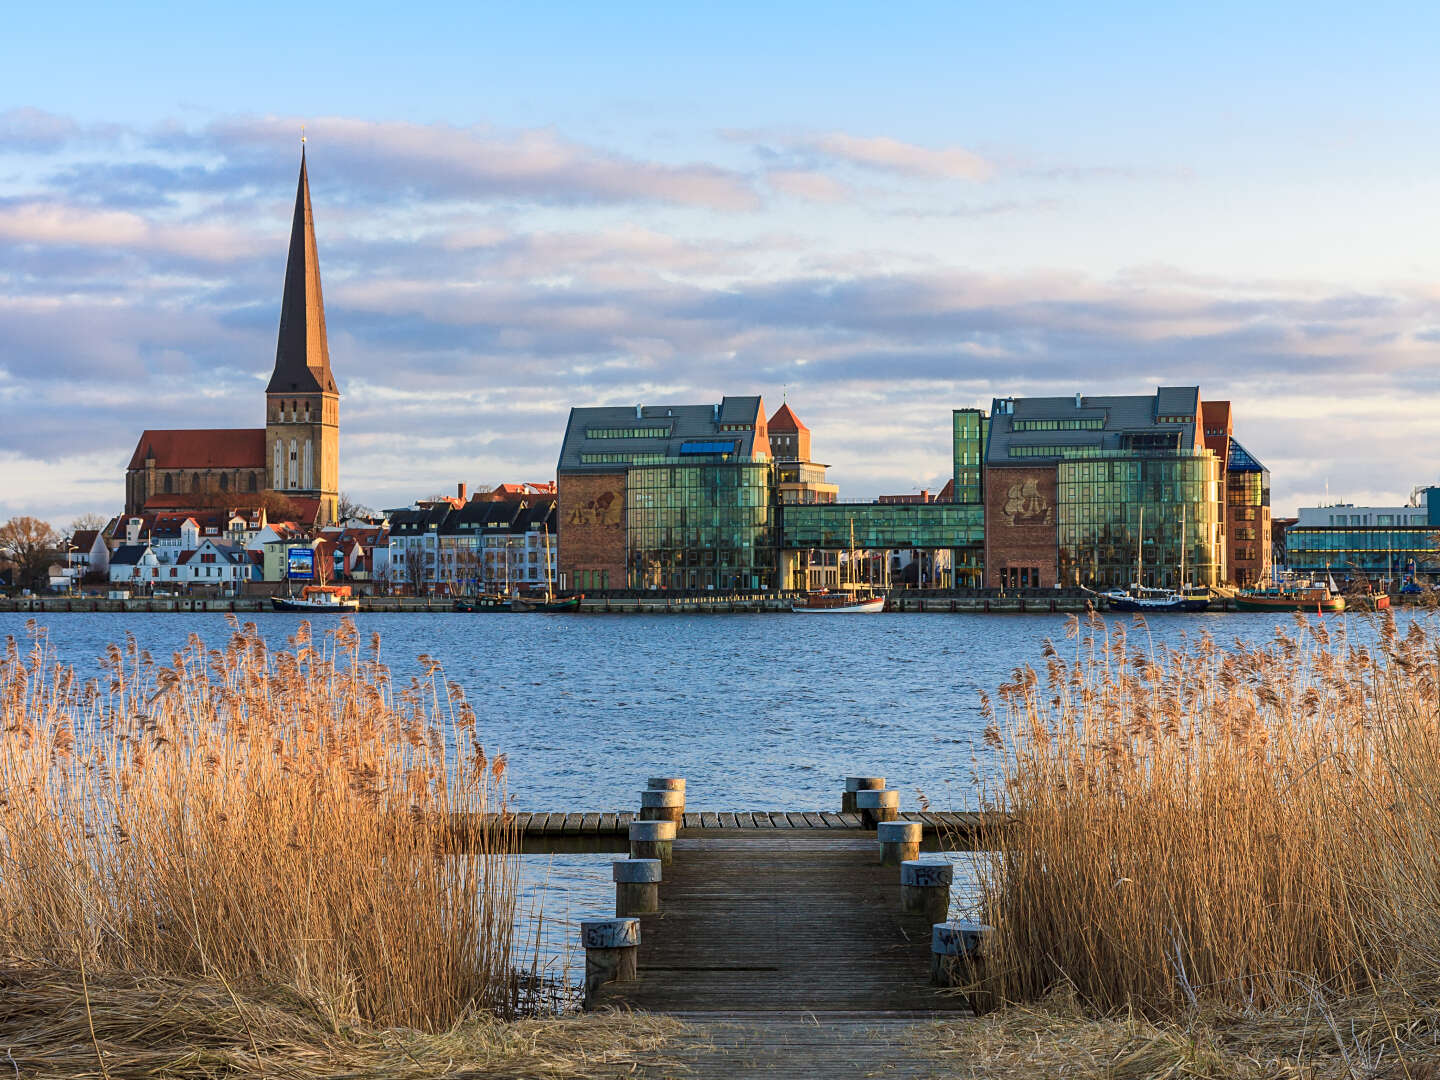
(612, 949)
(956, 951)
(925, 888)
(877, 806)
(899, 840)
(858, 783)
(652, 840)
(666, 783)
(637, 886)
(662, 806)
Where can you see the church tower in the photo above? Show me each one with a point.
(302, 403)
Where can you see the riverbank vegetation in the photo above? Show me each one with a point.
(256, 825)
(1210, 840)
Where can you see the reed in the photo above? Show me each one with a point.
(1251, 826)
(256, 818)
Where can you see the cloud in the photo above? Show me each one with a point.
(808, 184)
(51, 224)
(880, 153)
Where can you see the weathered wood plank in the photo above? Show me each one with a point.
(624, 819)
(520, 821)
(727, 821)
(590, 824)
(607, 823)
(709, 821)
(833, 821)
(762, 820)
(852, 821)
(690, 821)
(796, 821)
(571, 824)
(538, 823)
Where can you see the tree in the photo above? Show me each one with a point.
(347, 508)
(88, 521)
(30, 545)
(414, 568)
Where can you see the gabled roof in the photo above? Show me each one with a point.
(785, 421)
(200, 448)
(128, 554)
(84, 539)
(1241, 460)
(302, 353)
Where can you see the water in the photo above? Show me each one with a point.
(756, 711)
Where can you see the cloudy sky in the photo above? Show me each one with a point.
(883, 211)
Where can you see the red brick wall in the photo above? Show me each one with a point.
(1020, 523)
(591, 515)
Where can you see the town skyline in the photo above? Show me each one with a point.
(497, 250)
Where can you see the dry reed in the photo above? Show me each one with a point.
(1247, 828)
(256, 819)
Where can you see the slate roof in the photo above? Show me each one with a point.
(201, 448)
(128, 554)
(675, 426)
(1122, 415)
(302, 351)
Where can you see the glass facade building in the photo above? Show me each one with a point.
(970, 426)
(1368, 550)
(1117, 509)
(700, 526)
(931, 526)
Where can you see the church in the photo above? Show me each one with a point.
(296, 454)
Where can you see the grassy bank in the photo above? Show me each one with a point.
(255, 818)
(1213, 840)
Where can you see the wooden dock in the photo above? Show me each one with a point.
(709, 823)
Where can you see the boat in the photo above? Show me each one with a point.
(547, 602)
(1153, 601)
(1320, 597)
(318, 599)
(851, 598)
(482, 602)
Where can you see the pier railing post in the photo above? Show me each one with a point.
(877, 806)
(858, 783)
(637, 886)
(652, 840)
(925, 889)
(662, 806)
(612, 949)
(899, 840)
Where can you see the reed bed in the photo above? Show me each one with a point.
(255, 819)
(1247, 831)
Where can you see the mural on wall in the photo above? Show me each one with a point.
(1026, 505)
(602, 510)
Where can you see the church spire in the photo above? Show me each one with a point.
(302, 355)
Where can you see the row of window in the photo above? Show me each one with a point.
(621, 459)
(627, 432)
(1084, 423)
(197, 483)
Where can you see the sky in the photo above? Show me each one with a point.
(878, 213)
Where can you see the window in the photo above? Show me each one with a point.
(621, 459)
(627, 433)
(224, 481)
(195, 482)
(1084, 423)
(169, 484)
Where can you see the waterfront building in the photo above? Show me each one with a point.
(1384, 542)
(674, 497)
(801, 480)
(448, 547)
(1245, 524)
(1086, 490)
(296, 454)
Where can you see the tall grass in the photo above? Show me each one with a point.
(256, 817)
(1253, 825)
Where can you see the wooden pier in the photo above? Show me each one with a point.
(779, 936)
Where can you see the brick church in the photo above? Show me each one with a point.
(296, 454)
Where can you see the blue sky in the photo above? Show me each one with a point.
(889, 211)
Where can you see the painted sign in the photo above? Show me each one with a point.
(300, 562)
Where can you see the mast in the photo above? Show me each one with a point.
(548, 595)
(1182, 547)
(1140, 552)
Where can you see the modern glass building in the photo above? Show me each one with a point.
(970, 427)
(1247, 512)
(1385, 551)
(700, 526)
(1156, 515)
(932, 526)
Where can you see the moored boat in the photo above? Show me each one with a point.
(1315, 597)
(318, 599)
(1154, 601)
(482, 602)
(547, 603)
(838, 603)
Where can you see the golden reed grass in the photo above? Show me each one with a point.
(256, 818)
(1252, 826)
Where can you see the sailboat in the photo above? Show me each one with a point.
(548, 603)
(1151, 600)
(851, 599)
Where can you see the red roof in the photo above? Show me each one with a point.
(786, 420)
(84, 539)
(202, 448)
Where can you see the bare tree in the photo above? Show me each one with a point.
(30, 545)
(414, 567)
(347, 508)
(88, 521)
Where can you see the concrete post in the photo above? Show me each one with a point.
(956, 951)
(925, 889)
(637, 886)
(662, 806)
(858, 783)
(877, 806)
(899, 840)
(652, 840)
(612, 949)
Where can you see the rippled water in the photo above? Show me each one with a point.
(756, 711)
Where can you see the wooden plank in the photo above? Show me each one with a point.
(690, 821)
(744, 821)
(537, 823)
(709, 821)
(762, 820)
(796, 821)
(571, 824)
(814, 820)
(520, 821)
(590, 824)
(623, 819)
(834, 821)
(607, 823)
(853, 821)
(727, 821)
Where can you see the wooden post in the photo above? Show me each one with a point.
(956, 951)
(612, 949)
(877, 806)
(925, 889)
(666, 783)
(858, 783)
(899, 840)
(662, 806)
(637, 886)
(652, 840)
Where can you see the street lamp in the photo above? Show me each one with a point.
(70, 550)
